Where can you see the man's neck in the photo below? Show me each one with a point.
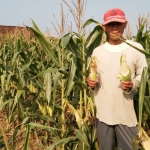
(116, 42)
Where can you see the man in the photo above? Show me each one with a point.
(115, 109)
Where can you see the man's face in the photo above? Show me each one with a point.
(115, 28)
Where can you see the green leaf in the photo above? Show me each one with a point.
(15, 57)
(142, 93)
(82, 136)
(140, 33)
(16, 100)
(70, 79)
(45, 45)
(147, 104)
(27, 137)
(36, 27)
(56, 82)
(26, 66)
(93, 36)
(140, 50)
(73, 47)
(93, 45)
(48, 86)
(47, 71)
(63, 42)
(5, 103)
(89, 21)
(61, 142)
(42, 126)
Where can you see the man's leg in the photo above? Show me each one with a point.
(105, 135)
(125, 136)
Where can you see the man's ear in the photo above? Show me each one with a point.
(103, 26)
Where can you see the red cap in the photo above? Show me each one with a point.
(114, 15)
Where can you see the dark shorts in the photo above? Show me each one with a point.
(124, 135)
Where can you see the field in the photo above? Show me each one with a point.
(5, 32)
(45, 102)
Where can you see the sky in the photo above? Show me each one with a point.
(45, 12)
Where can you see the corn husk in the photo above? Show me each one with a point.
(93, 69)
(144, 138)
(125, 70)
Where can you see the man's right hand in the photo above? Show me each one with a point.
(91, 83)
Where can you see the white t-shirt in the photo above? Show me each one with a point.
(113, 105)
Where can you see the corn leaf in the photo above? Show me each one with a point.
(89, 21)
(93, 45)
(140, 50)
(5, 103)
(16, 100)
(42, 126)
(48, 86)
(81, 136)
(93, 36)
(63, 42)
(147, 104)
(73, 47)
(140, 33)
(71, 73)
(45, 45)
(61, 142)
(27, 137)
(142, 93)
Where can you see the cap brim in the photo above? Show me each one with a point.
(115, 20)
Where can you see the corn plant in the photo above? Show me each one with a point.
(44, 91)
(76, 103)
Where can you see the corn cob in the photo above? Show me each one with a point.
(93, 69)
(125, 73)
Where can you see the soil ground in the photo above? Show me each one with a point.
(8, 131)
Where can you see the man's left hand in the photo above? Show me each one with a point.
(127, 85)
